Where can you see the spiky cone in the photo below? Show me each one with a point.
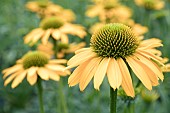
(56, 28)
(112, 49)
(32, 66)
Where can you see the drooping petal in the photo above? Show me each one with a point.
(56, 34)
(53, 75)
(31, 71)
(64, 39)
(37, 36)
(114, 74)
(89, 72)
(76, 75)
(140, 72)
(32, 79)
(11, 77)
(43, 73)
(100, 72)
(126, 78)
(11, 70)
(46, 36)
(150, 65)
(18, 79)
(80, 58)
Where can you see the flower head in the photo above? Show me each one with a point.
(33, 65)
(56, 28)
(109, 11)
(151, 4)
(47, 8)
(112, 49)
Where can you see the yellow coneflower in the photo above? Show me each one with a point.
(56, 28)
(151, 4)
(62, 48)
(112, 49)
(109, 11)
(47, 8)
(33, 65)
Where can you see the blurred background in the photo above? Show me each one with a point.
(16, 21)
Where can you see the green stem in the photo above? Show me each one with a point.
(40, 95)
(61, 93)
(113, 99)
(62, 98)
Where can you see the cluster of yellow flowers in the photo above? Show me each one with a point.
(116, 47)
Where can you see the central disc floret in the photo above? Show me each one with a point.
(51, 22)
(114, 40)
(36, 58)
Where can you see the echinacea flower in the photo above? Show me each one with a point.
(151, 4)
(33, 65)
(109, 11)
(56, 28)
(114, 48)
(47, 8)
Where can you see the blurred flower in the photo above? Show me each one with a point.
(112, 48)
(33, 65)
(109, 11)
(62, 48)
(151, 4)
(56, 28)
(149, 96)
(47, 8)
(165, 68)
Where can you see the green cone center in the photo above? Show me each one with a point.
(51, 22)
(114, 40)
(36, 58)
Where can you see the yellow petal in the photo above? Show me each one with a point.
(150, 55)
(56, 34)
(55, 67)
(76, 75)
(80, 58)
(114, 74)
(32, 79)
(64, 39)
(126, 78)
(46, 36)
(43, 73)
(82, 50)
(31, 71)
(11, 70)
(18, 79)
(11, 77)
(151, 65)
(37, 36)
(29, 36)
(140, 72)
(100, 72)
(88, 72)
(58, 61)
(54, 75)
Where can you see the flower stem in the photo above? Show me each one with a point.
(61, 93)
(62, 98)
(113, 99)
(40, 95)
